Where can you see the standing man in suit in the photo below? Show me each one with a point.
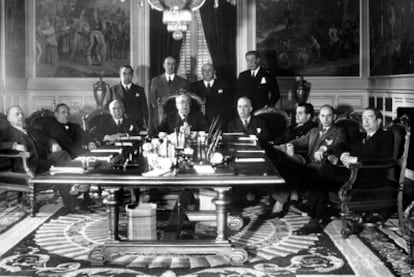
(375, 145)
(215, 92)
(43, 152)
(118, 126)
(258, 83)
(164, 85)
(132, 96)
(183, 116)
(246, 123)
(69, 135)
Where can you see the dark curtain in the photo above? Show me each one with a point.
(162, 44)
(220, 30)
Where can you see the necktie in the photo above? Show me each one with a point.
(323, 131)
(208, 86)
(169, 80)
(245, 123)
(252, 74)
(118, 123)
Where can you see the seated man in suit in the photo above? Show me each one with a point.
(216, 93)
(69, 135)
(43, 152)
(375, 145)
(303, 124)
(246, 123)
(317, 143)
(119, 126)
(183, 116)
(132, 96)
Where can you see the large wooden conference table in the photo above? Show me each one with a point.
(248, 166)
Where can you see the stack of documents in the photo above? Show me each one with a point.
(66, 169)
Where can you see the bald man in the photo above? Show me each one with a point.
(216, 92)
(164, 85)
(182, 115)
(43, 151)
(117, 126)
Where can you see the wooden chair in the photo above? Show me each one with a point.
(275, 120)
(12, 180)
(353, 203)
(167, 104)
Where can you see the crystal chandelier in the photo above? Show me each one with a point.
(177, 14)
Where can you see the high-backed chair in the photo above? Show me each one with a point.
(19, 181)
(353, 203)
(276, 121)
(167, 104)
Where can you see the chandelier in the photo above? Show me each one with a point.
(177, 14)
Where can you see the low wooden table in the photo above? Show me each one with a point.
(251, 168)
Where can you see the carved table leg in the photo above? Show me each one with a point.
(112, 208)
(221, 201)
(32, 198)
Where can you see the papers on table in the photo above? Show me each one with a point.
(204, 169)
(107, 149)
(234, 134)
(123, 143)
(129, 138)
(250, 160)
(66, 169)
(157, 173)
(100, 156)
(251, 151)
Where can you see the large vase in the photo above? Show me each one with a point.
(100, 89)
(302, 90)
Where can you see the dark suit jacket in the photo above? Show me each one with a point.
(262, 90)
(195, 119)
(236, 126)
(217, 99)
(135, 103)
(71, 139)
(378, 147)
(294, 131)
(37, 144)
(110, 127)
(312, 141)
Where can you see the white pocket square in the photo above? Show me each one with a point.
(263, 80)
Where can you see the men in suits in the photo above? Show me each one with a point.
(118, 126)
(215, 92)
(245, 122)
(164, 85)
(183, 116)
(258, 83)
(43, 152)
(303, 124)
(375, 145)
(69, 135)
(298, 170)
(319, 141)
(132, 96)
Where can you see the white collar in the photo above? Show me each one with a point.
(255, 71)
(211, 83)
(168, 77)
(127, 86)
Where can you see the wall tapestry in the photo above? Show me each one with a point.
(81, 38)
(309, 37)
(391, 37)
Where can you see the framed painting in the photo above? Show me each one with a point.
(391, 37)
(309, 37)
(15, 38)
(79, 38)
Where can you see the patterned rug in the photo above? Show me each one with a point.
(388, 244)
(60, 247)
(11, 212)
